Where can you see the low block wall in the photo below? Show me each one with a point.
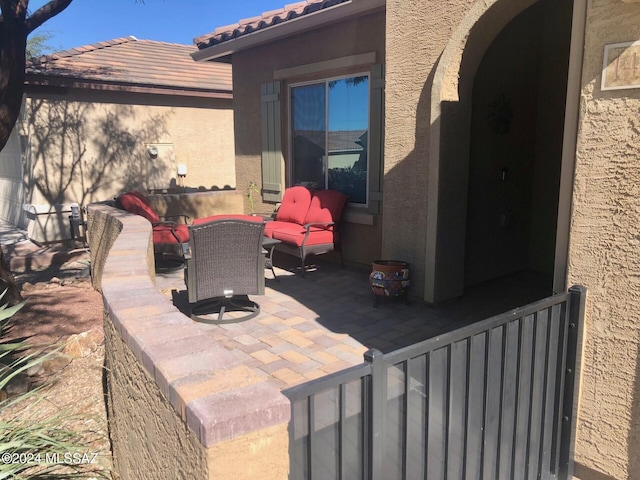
(181, 406)
(198, 204)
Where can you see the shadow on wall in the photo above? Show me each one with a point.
(197, 204)
(175, 187)
(79, 153)
(489, 38)
(410, 175)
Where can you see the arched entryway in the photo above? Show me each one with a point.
(498, 115)
(515, 150)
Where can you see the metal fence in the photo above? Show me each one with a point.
(493, 400)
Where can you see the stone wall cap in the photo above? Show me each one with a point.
(225, 415)
(136, 307)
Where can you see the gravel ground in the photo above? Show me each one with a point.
(61, 303)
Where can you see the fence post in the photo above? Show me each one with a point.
(577, 300)
(377, 415)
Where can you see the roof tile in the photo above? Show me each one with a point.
(130, 61)
(267, 19)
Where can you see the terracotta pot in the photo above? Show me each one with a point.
(389, 278)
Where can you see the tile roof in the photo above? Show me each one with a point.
(266, 20)
(130, 63)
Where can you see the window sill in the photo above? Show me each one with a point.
(361, 217)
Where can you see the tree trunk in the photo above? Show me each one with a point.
(14, 29)
(12, 296)
(13, 45)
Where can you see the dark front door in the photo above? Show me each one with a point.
(516, 146)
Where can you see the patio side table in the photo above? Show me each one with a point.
(269, 245)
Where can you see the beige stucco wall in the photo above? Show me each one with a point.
(197, 204)
(411, 63)
(430, 79)
(251, 68)
(605, 252)
(89, 146)
(150, 441)
(604, 232)
(147, 436)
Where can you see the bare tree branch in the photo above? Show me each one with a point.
(45, 12)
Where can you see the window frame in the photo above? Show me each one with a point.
(325, 80)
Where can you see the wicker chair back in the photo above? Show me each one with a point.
(226, 259)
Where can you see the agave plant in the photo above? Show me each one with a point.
(35, 448)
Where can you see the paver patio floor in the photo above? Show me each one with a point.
(310, 327)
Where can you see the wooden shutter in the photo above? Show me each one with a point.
(376, 139)
(271, 142)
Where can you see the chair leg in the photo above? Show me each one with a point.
(221, 314)
(203, 311)
(303, 256)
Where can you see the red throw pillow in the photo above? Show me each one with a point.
(136, 202)
(326, 206)
(295, 204)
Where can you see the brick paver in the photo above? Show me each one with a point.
(310, 327)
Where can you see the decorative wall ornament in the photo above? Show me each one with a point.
(500, 114)
(621, 66)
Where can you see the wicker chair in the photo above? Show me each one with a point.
(224, 265)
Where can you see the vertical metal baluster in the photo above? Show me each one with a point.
(572, 381)
(378, 412)
(560, 385)
(427, 415)
(312, 428)
(366, 430)
(405, 420)
(341, 430)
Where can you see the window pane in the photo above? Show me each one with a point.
(309, 135)
(347, 138)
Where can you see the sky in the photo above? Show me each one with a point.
(177, 21)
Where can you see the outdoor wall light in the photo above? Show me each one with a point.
(152, 150)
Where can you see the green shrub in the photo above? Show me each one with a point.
(35, 448)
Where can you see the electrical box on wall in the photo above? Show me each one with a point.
(161, 166)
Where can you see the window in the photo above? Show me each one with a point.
(329, 136)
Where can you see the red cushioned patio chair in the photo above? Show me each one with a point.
(307, 223)
(168, 236)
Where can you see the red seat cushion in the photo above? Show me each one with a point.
(272, 226)
(295, 205)
(326, 206)
(294, 234)
(162, 233)
(235, 216)
(136, 202)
